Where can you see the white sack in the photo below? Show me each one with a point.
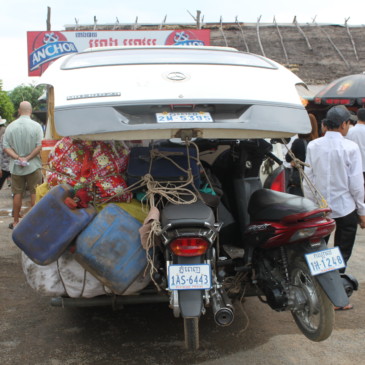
(66, 277)
(43, 279)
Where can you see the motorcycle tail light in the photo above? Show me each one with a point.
(302, 233)
(189, 246)
(314, 233)
(325, 230)
(278, 183)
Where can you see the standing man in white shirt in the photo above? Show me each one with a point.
(357, 134)
(336, 171)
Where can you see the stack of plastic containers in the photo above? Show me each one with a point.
(51, 226)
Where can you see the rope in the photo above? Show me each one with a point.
(233, 286)
(298, 164)
(62, 282)
(175, 194)
(150, 245)
(172, 192)
(64, 285)
(246, 316)
(201, 166)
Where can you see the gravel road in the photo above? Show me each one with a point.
(32, 332)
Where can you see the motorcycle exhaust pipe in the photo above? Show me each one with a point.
(222, 308)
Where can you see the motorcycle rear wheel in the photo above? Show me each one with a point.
(316, 318)
(191, 332)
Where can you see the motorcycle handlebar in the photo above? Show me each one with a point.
(273, 157)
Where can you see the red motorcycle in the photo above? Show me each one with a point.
(282, 255)
(288, 261)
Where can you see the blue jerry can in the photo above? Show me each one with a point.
(50, 226)
(110, 248)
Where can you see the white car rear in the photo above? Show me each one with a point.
(173, 92)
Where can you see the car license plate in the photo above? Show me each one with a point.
(167, 117)
(325, 260)
(189, 277)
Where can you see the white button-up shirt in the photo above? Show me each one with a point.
(336, 171)
(357, 134)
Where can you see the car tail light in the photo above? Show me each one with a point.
(278, 184)
(189, 246)
(334, 101)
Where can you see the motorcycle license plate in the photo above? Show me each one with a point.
(325, 260)
(167, 117)
(189, 277)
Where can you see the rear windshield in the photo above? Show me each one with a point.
(163, 56)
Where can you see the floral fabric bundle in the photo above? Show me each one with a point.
(94, 168)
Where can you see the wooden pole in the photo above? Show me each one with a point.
(222, 31)
(302, 33)
(48, 18)
(163, 23)
(198, 23)
(351, 39)
(116, 24)
(282, 42)
(135, 26)
(258, 36)
(334, 46)
(243, 36)
(50, 92)
(197, 18)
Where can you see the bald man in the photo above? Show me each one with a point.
(23, 143)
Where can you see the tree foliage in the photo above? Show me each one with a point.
(29, 93)
(6, 106)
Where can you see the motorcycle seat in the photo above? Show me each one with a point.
(194, 215)
(266, 204)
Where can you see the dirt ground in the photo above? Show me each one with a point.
(32, 332)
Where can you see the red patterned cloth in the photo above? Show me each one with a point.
(93, 168)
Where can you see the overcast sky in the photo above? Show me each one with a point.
(19, 16)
